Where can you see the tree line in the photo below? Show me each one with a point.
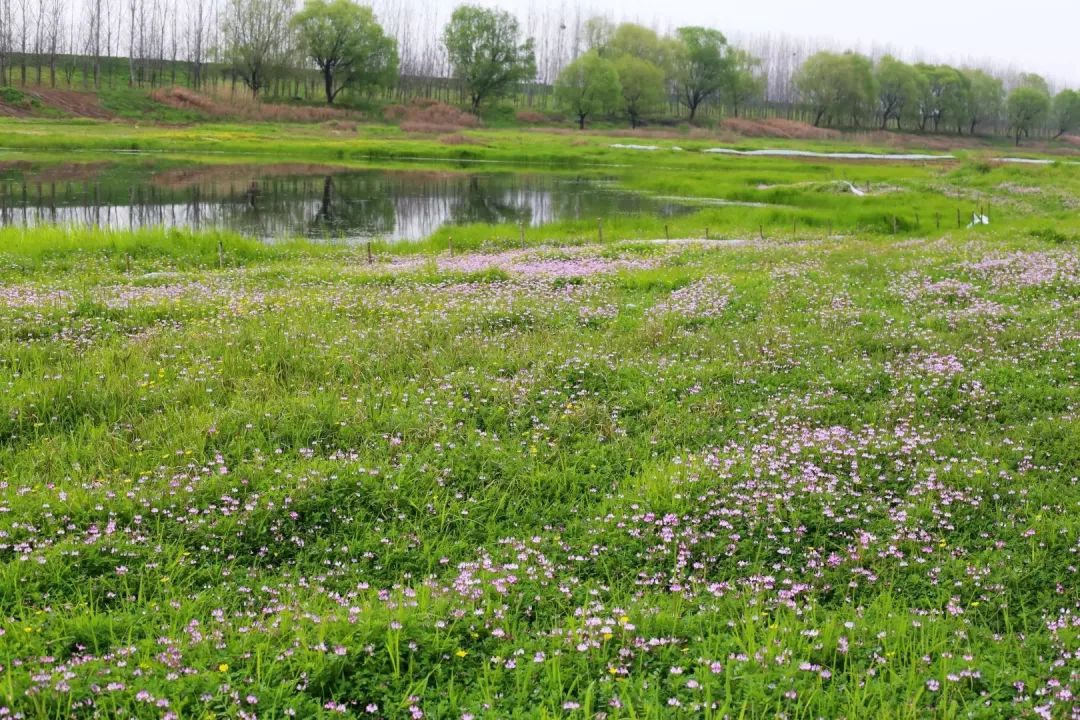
(849, 89)
(553, 59)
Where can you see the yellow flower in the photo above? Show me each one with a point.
(223, 667)
(461, 653)
(623, 619)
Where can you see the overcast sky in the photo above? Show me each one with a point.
(1037, 35)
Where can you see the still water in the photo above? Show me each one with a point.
(315, 202)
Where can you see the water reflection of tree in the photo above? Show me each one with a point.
(352, 205)
(489, 201)
(388, 204)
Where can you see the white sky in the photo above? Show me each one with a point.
(1035, 35)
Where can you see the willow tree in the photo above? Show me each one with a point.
(1028, 107)
(346, 43)
(588, 86)
(256, 39)
(700, 63)
(487, 53)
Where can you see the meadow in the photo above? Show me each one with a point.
(826, 469)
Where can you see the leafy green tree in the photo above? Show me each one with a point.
(700, 62)
(588, 86)
(640, 42)
(642, 85)
(1034, 81)
(598, 32)
(899, 88)
(346, 44)
(986, 95)
(1066, 112)
(741, 82)
(945, 99)
(255, 35)
(1028, 107)
(837, 86)
(486, 52)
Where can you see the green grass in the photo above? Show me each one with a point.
(810, 474)
(386, 142)
(132, 103)
(309, 481)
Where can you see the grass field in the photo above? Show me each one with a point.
(786, 472)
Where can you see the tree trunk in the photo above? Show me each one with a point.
(581, 121)
(328, 82)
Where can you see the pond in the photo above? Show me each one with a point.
(311, 201)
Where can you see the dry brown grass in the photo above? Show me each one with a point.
(531, 117)
(430, 118)
(776, 128)
(244, 107)
(75, 103)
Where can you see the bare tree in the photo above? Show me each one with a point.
(25, 20)
(51, 33)
(5, 38)
(196, 40)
